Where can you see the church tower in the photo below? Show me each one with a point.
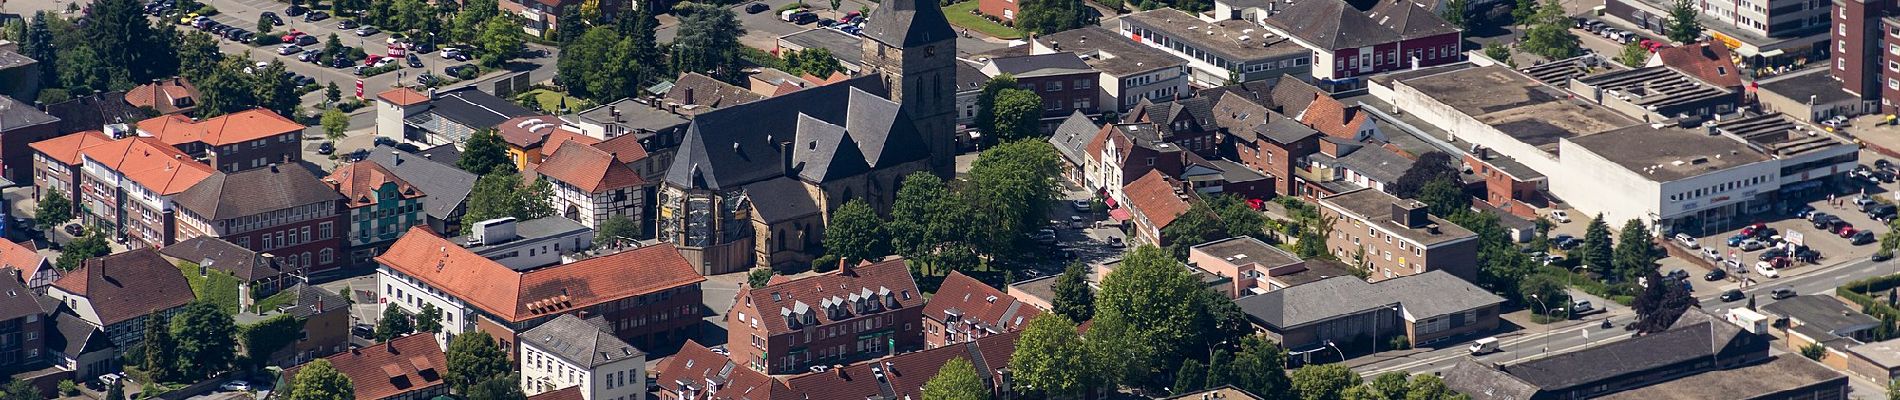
(912, 46)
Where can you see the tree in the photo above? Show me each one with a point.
(1324, 381)
(92, 244)
(53, 210)
(816, 61)
(116, 391)
(1893, 389)
(1633, 256)
(1549, 35)
(570, 26)
(1074, 299)
(1682, 27)
(124, 39)
(1043, 17)
(503, 194)
(394, 324)
(332, 94)
(81, 69)
(1151, 314)
(485, 153)
(467, 24)
(956, 380)
(429, 320)
(500, 39)
(1657, 313)
(161, 353)
(264, 25)
(1454, 13)
(595, 65)
(638, 29)
(1431, 387)
(986, 101)
(1050, 359)
(1191, 377)
(1018, 115)
(925, 217)
(37, 44)
(1814, 351)
(1634, 55)
(335, 123)
(1497, 51)
(1443, 197)
(207, 340)
(1543, 293)
(1389, 386)
(708, 42)
(1014, 183)
(319, 380)
(616, 230)
(1216, 217)
(1433, 165)
(272, 91)
(1597, 250)
(1522, 12)
(1259, 367)
(501, 387)
(474, 358)
(855, 233)
(758, 277)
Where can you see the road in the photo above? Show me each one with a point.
(1536, 341)
(764, 29)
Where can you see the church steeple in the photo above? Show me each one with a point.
(906, 24)
(915, 50)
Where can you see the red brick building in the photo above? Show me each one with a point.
(1004, 10)
(857, 312)
(404, 368)
(232, 142)
(965, 309)
(281, 210)
(21, 124)
(1348, 42)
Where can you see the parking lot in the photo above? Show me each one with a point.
(764, 28)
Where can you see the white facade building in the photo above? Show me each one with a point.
(569, 351)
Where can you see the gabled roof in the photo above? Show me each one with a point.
(90, 112)
(446, 186)
(218, 254)
(1427, 295)
(361, 182)
(737, 145)
(1198, 109)
(1072, 137)
(152, 164)
(537, 130)
(15, 114)
(590, 169)
(694, 366)
(566, 393)
(475, 108)
(309, 300)
(72, 335)
(1331, 24)
(255, 191)
(1708, 62)
(975, 302)
(163, 95)
(126, 285)
(17, 301)
(779, 200)
(905, 374)
(909, 23)
(519, 296)
(384, 370)
(693, 88)
(887, 280)
(65, 149)
(1411, 20)
(23, 256)
(233, 128)
(580, 342)
(1333, 118)
(1154, 196)
(403, 97)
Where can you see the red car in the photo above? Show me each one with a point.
(1847, 231)
(292, 36)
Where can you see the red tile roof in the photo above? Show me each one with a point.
(402, 365)
(694, 365)
(66, 148)
(233, 128)
(979, 303)
(23, 256)
(1333, 118)
(591, 169)
(1153, 196)
(519, 296)
(126, 285)
(868, 278)
(160, 95)
(359, 182)
(537, 130)
(626, 148)
(566, 393)
(1707, 61)
(155, 165)
(403, 97)
(906, 373)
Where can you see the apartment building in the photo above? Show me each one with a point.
(571, 352)
(232, 142)
(1130, 71)
(1397, 236)
(121, 182)
(1220, 52)
(854, 313)
(21, 125)
(378, 207)
(965, 309)
(98, 293)
(299, 220)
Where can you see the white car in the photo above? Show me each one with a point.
(1687, 241)
(235, 386)
(1767, 269)
(1561, 216)
(1711, 253)
(289, 49)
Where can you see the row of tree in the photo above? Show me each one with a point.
(478, 369)
(609, 62)
(941, 227)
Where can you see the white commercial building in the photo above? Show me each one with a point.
(569, 351)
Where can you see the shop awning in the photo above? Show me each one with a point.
(1119, 214)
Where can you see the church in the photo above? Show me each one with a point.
(754, 184)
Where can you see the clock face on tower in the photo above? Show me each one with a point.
(930, 51)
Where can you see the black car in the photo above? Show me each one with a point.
(425, 79)
(315, 16)
(340, 62)
(1732, 295)
(1715, 275)
(456, 71)
(295, 11)
(827, 22)
(414, 62)
(1677, 274)
(272, 17)
(306, 40)
(756, 8)
(363, 331)
(359, 154)
(326, 148)
(1883, 256)
(346, 24)
(1883, 164)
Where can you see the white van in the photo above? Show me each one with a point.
(1484, 346)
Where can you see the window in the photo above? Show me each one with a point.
(1052, 86)
(326, 256)
(1842, 29)
(323, 231)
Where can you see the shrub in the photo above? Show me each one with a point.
(68, 388)
(207, 10)
(269, 39)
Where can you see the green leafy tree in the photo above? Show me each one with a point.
(1542, 293)
(1634, 55)
(116, 391)
(1151, 314)
(1389, 386)
(1043, 17)
(569, 26)
(502, 387)
(1014, 183)
(1191, 377)
(595, 65)
(124, 39)
(615, 230)
(1814, 351)
(1259, 367)
(1455, 13)
(82, 70)
(986, 101)
(503, 194)
(92, 244)
(855, 233)
(1051, 359)
(1682, 27)
(1443, 197)
(475, 358)
(161, 352)
(816, 61)
(1018, 115)
(485, 153)
(1522, 12)
(1074, 298)
(957, 379)
(1431, 387)
(500, 40)
(1216, 217)
(335, 123)
(638, 28)
(1549, 35)
(467, 24)
(37, 44)
(1633, 255)
(1657, 313)
(332, 94)
(53, 210)
(1598, 252)
(925, 217)
(272, 91)
(394, 324)
(319, 380)
(758, 277)
(207, 340)
(708, 42)
(1497, 51)
(1431, 166)
(1324, 381)
(429, 320)
(264, 25)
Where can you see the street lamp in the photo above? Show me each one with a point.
(1540, 302)
(1342, 353)
(1375, 328)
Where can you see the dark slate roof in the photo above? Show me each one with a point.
(1374, 162)
(1331, 24)
(73, 336)
(10, 59)
(734, 146)
(909, 23)
(1695, 335)
(1042, 65)
(969, 78)
(1424, 295)
(16, 300)
(15, 114)
(255, 191)
(588, 343)
(1200, 109)
(476, 108)
(845, 47)
(218, 254)
(787, 196)
(1482, 382)
(1283, 129)
(1816, 84)
(1409, 19)
(90, 113)
(1072, 137)
(1822, 312)
(311, 300)
(446, 185)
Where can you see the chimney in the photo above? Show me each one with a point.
(1410, 213)
(846, 269)
(689, 96)
(396, 155)
(1431, 228)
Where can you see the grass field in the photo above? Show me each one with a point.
(959, 15)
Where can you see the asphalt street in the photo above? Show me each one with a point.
(763, 29)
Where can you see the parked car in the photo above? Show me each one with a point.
(456, 70)
(425, 79)
(289, 49)
(1715, 275)
(1677, 274)
(414, 62)
(1687, 241)
(756, 8)
(295, 10)
(1752, 244)
(1582, 307)
(309, 57)
(1862, 237)
(1782, 293)
(1732, 295)
(235, 386)
(306, 40)
(1846, 231)
(367, 30)
(346, 24)
(1711, 253)
(1773, 254)
(272, 17)
(1803, 211)
(315, 16)
(1883, 256)
(1767, 269)
(1560, 216)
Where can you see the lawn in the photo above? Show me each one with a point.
(963, 15)
(217, 287)
(551, 101)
